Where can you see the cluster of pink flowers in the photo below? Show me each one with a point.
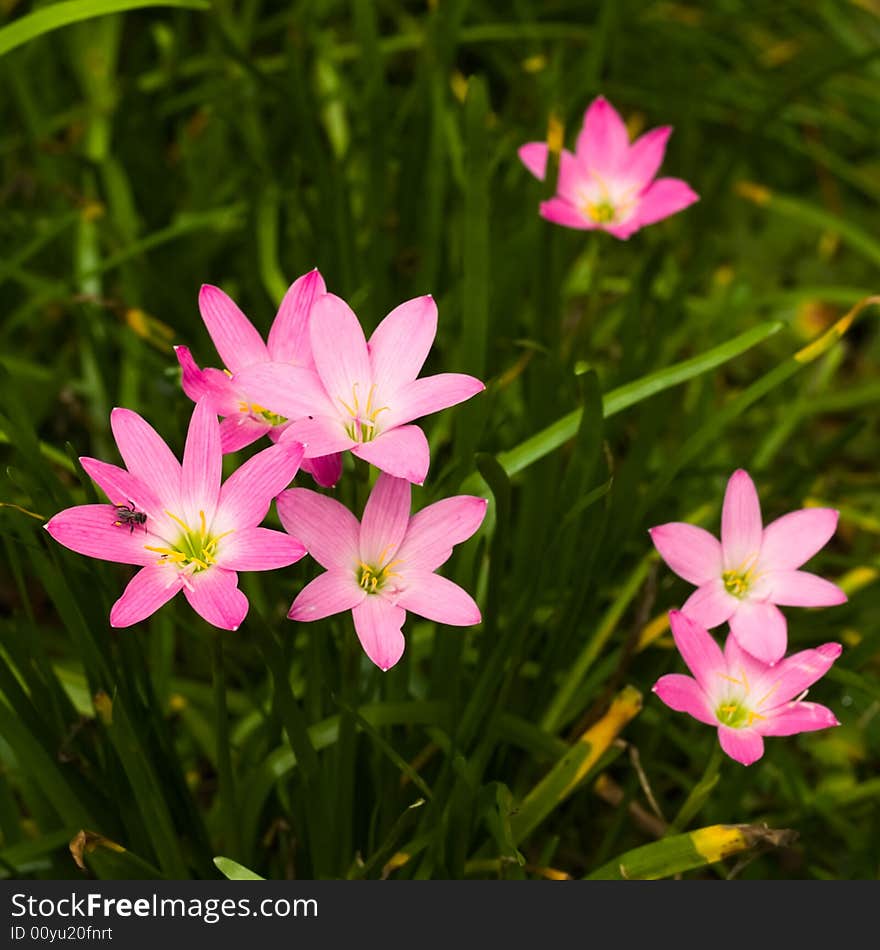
(317, 388)
(749, 691)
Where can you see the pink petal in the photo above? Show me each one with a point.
(430, 394)
(234, 336)
(214, 595)
(249, 490)
(90, 530)
(756, 675)
(710, 604)
(289, 337)
(290, 391)
(561, 212)
(741, 527)
(258, 549)
(434, 530)
(797, 717)
(760, 629)
(698, 649)
(146, 455)
(683, 694)
(603, 143)
(146, 592)
(574, 181)
(802, 589)
(796, 673)
(241, 430)
(402, 452)
(202, 465)
(329, 593)
(400, 345)
(325, 469)
(327, 528)
(437, 598)
(625, 231)
(794, 538)
(378, 623)
(691, 552)
(665, 197)
(645, 156)
(321, 436)
(213, 384)
(123, 488)
(340, 353)
(534, 156)
(744, 745)
(385, 520)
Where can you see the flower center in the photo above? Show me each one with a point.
(361, 425)
(735, 713)
(195, 550)
(373, 579)
(262, 414)
(602, 212)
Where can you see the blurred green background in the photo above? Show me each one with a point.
(243, 143)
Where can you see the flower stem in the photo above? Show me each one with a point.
(225, 775)
(699, 794)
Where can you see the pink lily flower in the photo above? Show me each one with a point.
(183, 528)
(363, 396)
(240, 345)
(383, 566)
(752, 569)
(745, 698)
(608, 184)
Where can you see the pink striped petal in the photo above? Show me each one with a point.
(802, 589)
(691, 552)
(340, 353)
(561, 212)
(235, 337)
(147, 456)
(430, 394)
(400, 345)
(90, 530)
(665, 197)
(683, 694)
(793, 539)
(710, 604)
(289, 336)
(434, 530)
(760, 629)
(212, 384)
(385, 520)
(325, 469)
(791, 676)
(645, 156)
(202, 465)
(402, 452)
(698, 649)
(123, 488)
(146, 592)
(214, 595)
(327, 528)
(258, 549)
(329, 593)
(249, 490)
(741, 528)
(603, 143)
(321, 436)
(744, 745)
(240, 430)
(291, 391)
(534, 156)
(437, 598)
(797, 717)
(378, 624)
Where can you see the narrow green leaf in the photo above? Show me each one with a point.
(235, 871)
